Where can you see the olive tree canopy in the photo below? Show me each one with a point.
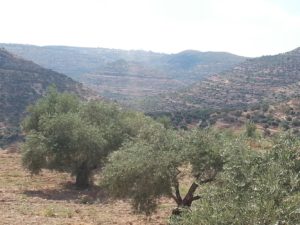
(68, 135)
(150, 166)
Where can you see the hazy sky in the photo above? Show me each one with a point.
(245, 27)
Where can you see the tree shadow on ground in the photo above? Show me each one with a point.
(69, 192)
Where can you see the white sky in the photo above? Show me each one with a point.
(244, 27)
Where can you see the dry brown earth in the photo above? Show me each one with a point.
(49, 198)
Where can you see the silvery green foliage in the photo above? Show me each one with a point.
(66, 134)
(149, 166)
(144, 168)
(254, 187)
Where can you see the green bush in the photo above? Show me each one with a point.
(250, 129)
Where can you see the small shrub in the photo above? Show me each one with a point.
(296, 122)
(250, 129)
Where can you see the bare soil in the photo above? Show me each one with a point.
(50, 198)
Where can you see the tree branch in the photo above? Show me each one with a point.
(187, 201)
(175, 199)
(196, 197)
(178, 195)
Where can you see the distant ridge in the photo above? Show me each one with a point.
(123, 75)
(264, 79)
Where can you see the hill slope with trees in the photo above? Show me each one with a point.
(264, 79)
(120, 74)
(21, 84)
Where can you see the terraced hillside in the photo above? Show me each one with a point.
(22, 83)
(120, 74)
(265, 79)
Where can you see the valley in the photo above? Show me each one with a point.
(125, 75)
(186, 87)
(150, 112)
(143, 153)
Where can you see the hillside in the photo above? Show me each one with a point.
(265, 90)
(264, 79)
(120, 74)
(22, 83)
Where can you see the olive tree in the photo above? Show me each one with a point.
(255, 187)
(151, 165)
(68, 135)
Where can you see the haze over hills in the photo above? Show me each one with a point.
(22, 82)
(120, 74)
(129, 76)
(264, 79)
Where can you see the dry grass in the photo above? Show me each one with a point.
(50, 199)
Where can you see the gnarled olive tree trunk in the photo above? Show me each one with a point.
(83, 176)
(190, 196)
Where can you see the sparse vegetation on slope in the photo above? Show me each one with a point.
(127, 75)
(21, 84)
(268, 78)
(256, 83)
